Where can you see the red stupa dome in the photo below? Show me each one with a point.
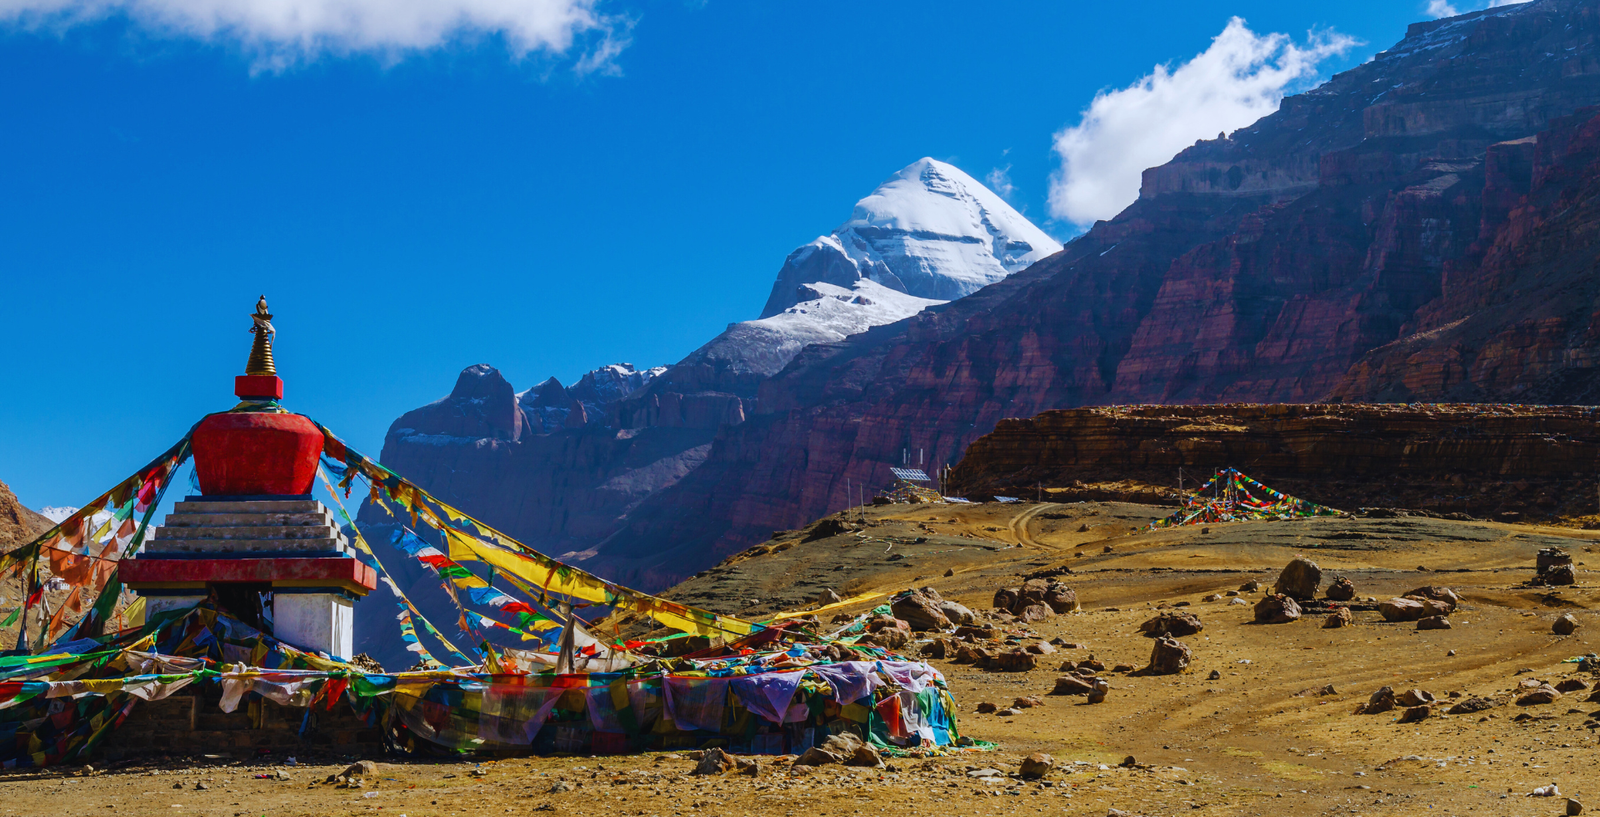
(257, 449)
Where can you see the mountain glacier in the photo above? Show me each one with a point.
(928, 235)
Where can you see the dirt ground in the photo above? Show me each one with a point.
(1260, 738)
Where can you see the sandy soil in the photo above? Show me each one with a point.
(1259, 739)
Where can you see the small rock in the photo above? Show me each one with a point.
(1380, 701)
(1565, 625)
(1214, 676)
(1213, 597)
(1176, 625)
(1037, 765)
(560, 786)
(1574, 808)
(1098, 694)
(1026, 703)
(1238, 601)
(1124, 668)
(1072, 685)
(1415, 713)
(1169, 656)
(713, 761)
(1341, 590)
(1338, 618)
(1560, 575)
(1434, 623)
(1541, 694)
(987, 708)
(1008, 712)
(1250, 586)
(361, 768)
(1572, 685)
(1440, 594)
(1276, 608)
(1471, 705)
(1414, 697)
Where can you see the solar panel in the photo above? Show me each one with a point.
(961, 499)
(911, 474)
(1006, 499)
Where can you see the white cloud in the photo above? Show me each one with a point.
(283, 32)
(1441, 8)
(999, 180)
(1240, 78)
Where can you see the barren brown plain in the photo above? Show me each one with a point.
(1257, 740)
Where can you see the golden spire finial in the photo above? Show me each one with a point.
(260, 362)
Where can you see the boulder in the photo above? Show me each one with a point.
(361, 768)
(1415, 713)
(1378, 702)
(1060, 598)
(1173, 624)
(958, 614)
(1250, 586)
(1098, 694)
(1414, 697)
(1565, 625)
(713, 761)
(1005, 598)
(1548, 558)
(1433, 623)
(939, 648)
(1034, 612)
(836, 749)
(889, 638)
(865, 756)
(1012, 661)
(1036, 765)
(1299, 579)
(1440, 594)
(1541, 694)
(920, 612)
(1169, 656)
(1569, 685)
(1560, 575)
(1072, 685)
(1341, 590)
(1471, 705)
(1276, 609)
(1338, 618)
(1403, 610)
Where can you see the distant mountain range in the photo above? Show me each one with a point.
(562, 467)
(1422, 227)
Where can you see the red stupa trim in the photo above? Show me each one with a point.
(258, 386)
(256, 454)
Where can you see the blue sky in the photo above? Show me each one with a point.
(409, 211)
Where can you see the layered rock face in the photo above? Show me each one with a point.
(18, 524)
(1263, 266)
(1536, 461)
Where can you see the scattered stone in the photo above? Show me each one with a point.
(713, 761)
(1380, 701)
(1546, 791)
(1276, 608)
(749, 768)
(1404, 610)
(987, 708)
(919, 611)
(1415, 713)
(1250, 586)
(1440, 594)
(1098, 694)
(1574, 808)
(1560, 575)
(957, 613)
(1041, 648)
(1341, 590)
(1471, 705)
(1541, 694)
(1340, 617)
(1213, 597)
(1169, 656)
(865, 756)
(1549, 558)
(1214, 676)
(560, 786)
(1238, 601)
(949, 572)
(1033, 612)
(1172, 624)
(1565, 625)
(1433, 623)
(836, 749)
(1414, 697)
(361, 768)
(826, 597)
(1037, 765)
(1572, 685)
(1012, 661)
(1299, 579)
(1072, 685)
(1027, 703)
(1124, 668)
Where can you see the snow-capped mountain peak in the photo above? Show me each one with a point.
(930, 231)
